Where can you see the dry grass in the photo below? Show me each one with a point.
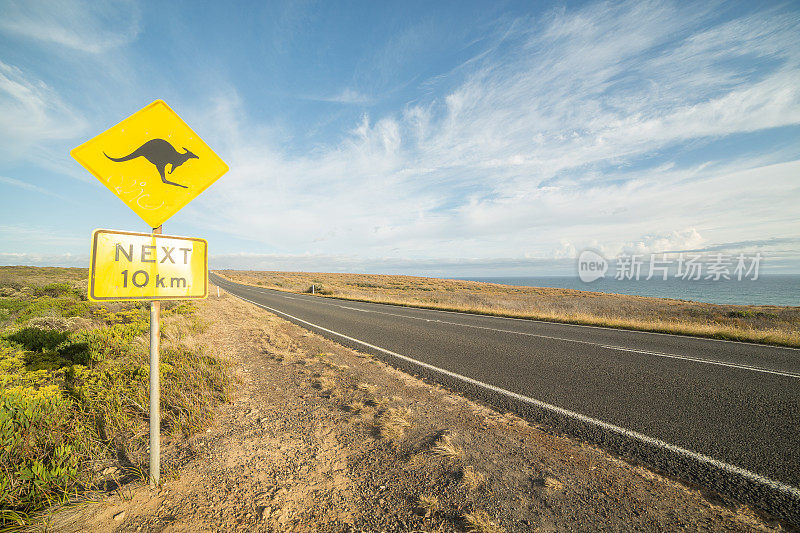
(446, 448)
(324, 384)
(480, 522)
(762, 324)
(430, 504)
(369, 390)
(356, 406)
(553, 484)
(394, 422)
(472, 478)
(20, 276)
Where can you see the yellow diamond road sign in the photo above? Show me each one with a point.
(144, 266)
(152, 161)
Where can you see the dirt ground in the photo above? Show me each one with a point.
(323, 438)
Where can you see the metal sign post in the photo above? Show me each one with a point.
(148, 266)
(155, 389)
(136, 160)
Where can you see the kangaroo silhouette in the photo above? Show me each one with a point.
(160, 153)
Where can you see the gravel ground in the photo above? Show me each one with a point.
(323, 438)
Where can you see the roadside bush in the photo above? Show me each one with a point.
(74, 392)
(61, 306)
(13, 305)
(41, 447)
(54, 290)
(37, 340)
(193, 382)
(112, 342)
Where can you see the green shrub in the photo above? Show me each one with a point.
(108, 343)
(74, 391)
(37, 340)
(12, 305)
(61, 306)
(42, 349)
(113, 398)
(193, 382)
(54, 290)
(184, 308)
(41, 448)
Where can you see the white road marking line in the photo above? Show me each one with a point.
(289, 297)
(732, 469)
(354, 309)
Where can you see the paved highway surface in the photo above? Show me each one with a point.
(723, 414)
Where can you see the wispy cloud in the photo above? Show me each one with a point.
(638, 126)
(31, 112)
(38, 237)
(91, 27)
(34, 188)
(345, 96)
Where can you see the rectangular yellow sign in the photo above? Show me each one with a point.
(142, 266)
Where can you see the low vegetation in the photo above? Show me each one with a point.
(394, 422)
(472, 478)
(74, 394)
(762, 324)
(445, 447)
(481, 522)
(429, 504)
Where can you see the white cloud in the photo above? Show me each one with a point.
(539, 148)
(531, 155)
(688, 239)
(34, 188)
(86, 26)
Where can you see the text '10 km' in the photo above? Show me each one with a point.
(141, 266)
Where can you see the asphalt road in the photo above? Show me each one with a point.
(722, 414)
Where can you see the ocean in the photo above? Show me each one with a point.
(766, 290)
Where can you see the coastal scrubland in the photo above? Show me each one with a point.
(269, 427)
(74, 389)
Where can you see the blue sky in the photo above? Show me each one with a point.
(485, 138)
